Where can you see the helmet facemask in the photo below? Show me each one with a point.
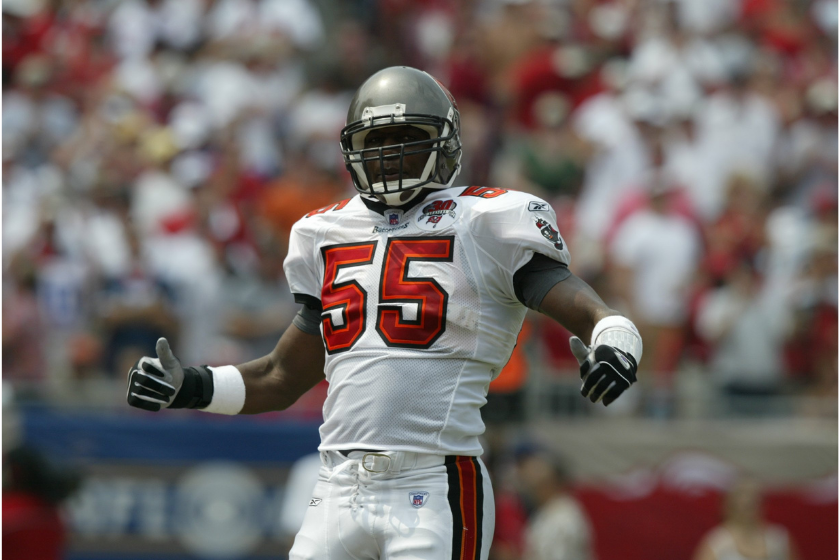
(443, 147)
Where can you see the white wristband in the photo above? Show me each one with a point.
(228, 391)
(618, 332)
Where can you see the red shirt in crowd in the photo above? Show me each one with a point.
(32, 528)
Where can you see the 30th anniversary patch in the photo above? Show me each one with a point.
(437, 215)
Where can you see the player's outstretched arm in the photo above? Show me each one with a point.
(608, 364)
(575, 305)
(276, 381)
(273, 382)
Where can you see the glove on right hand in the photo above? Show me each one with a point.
(154, 382)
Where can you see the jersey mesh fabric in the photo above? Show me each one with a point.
(426, 400)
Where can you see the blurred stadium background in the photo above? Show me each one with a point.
(157, 152)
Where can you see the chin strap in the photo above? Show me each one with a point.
(399, 198)
(380, 202)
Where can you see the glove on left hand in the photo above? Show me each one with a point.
(606, 371)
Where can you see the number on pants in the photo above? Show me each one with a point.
(349, 297)
(396, 289)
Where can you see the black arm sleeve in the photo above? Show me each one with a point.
(308, 319)
(534, 280)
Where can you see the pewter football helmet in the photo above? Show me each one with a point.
(402, 96)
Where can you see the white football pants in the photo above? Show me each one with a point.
(398, 505)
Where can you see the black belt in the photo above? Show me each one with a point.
(347, 452)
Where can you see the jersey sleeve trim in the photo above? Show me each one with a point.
(534, 280)
(309, 301)
(308, 319)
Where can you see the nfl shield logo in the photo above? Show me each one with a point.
(418, 499)
(393, 219)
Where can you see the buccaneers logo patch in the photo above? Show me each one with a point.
(438, 214)
(549, 233)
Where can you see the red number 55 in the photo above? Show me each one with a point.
(397, 290)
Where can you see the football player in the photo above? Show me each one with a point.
(412, 293)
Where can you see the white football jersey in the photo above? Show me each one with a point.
(419, 311)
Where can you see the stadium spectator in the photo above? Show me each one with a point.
(812, 347)
(558, 528)
(737, 235)
(550, 161)
(22, 326)
(655, 252)
(743, 533)
(748, 326)
(33, 489)
(135, 308)
(256, 307)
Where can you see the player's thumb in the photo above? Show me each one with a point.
(579, 349)
(165, 355)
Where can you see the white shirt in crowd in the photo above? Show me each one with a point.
(559, 531)
(751, 332)
(662, 251)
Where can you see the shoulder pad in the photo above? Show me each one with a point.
(506, 199)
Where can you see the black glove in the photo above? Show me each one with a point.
(606, 371)
(153, 382)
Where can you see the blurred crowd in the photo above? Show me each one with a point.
(542, 514)
(157, 152)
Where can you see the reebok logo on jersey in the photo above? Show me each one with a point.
(549, 233)
(535, 206)
(314, 502)
(418, 499)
